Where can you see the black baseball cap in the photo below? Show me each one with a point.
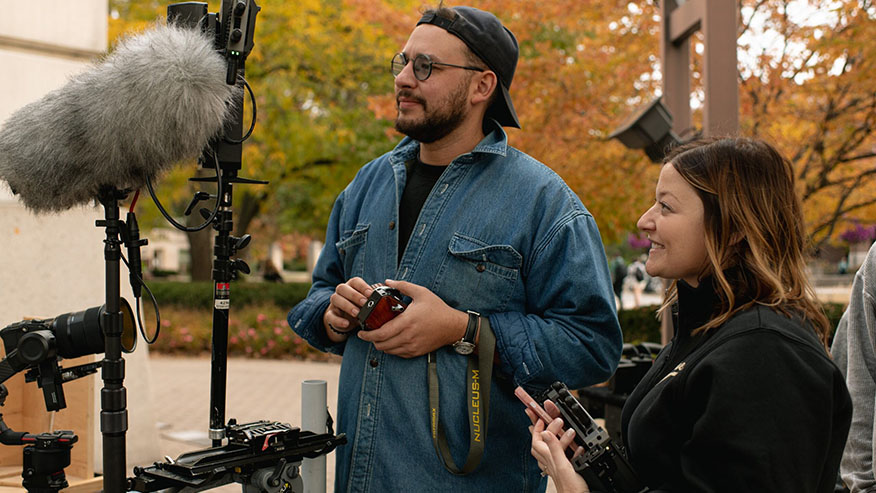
(485, 35)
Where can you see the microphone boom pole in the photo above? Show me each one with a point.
(113, 397)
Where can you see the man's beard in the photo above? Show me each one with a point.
(437, 124)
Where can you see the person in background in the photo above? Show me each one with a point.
(618, 274)
(745, 397)
(854, 349)
(481, 240)
(636, 276)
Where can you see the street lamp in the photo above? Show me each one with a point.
(650, 129)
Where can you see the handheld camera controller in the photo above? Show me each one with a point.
(384, 304)
(602, 464)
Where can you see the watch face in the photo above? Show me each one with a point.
(463, 347)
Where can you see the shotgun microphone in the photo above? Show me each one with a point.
(156, 100)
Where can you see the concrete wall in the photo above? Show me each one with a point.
(53, 264)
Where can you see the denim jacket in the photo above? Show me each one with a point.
(500, 234)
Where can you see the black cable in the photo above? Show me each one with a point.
(252, 123)
(137, 307)
(209, 220)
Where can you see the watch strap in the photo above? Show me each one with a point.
(471, 330)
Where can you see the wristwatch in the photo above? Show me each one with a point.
(466, 345)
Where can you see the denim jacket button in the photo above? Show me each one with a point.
(373, 363)
(481, 267)
(392, 225)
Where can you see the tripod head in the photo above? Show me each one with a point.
(44, 457)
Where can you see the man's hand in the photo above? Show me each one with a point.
(344, 305)
(426, 324)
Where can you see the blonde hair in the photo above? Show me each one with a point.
(754, 222)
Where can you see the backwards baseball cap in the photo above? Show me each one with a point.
(485, 35)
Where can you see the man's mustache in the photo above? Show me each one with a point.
(410, 96)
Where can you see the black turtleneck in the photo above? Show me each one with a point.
(695, 307)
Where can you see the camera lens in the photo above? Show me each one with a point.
(80, 333)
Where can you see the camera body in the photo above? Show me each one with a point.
(384, 304)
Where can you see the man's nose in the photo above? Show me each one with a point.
(406, 77)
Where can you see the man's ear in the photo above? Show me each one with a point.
(485, 83)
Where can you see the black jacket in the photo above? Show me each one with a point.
(755, 405)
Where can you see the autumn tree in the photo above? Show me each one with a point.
(312, 69)
(326, 105)
(813, 92)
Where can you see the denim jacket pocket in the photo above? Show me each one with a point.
(478, 276)
(352, 250)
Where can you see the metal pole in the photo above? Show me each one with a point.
(314, 414)
(113, 400)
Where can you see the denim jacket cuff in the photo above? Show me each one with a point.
(517, 357)
(306, 320)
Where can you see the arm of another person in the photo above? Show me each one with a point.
(853, 351)
(570, 330)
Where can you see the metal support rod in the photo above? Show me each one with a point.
(113, 400)
(229, 156)
(222, 277)
(314, 413)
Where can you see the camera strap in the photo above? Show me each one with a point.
(478, 375)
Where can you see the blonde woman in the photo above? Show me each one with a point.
(745, 397)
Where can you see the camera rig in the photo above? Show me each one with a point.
(38, 345)
(602, 465)
(263, 456)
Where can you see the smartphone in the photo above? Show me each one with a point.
(573, 450)
(530, 403)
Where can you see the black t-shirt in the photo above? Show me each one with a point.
(421, 178)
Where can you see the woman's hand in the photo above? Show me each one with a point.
(549, 451)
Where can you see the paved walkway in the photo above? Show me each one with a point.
(256, 389)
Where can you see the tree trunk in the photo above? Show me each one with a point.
(201, 242)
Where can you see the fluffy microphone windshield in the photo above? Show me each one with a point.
(153, 102)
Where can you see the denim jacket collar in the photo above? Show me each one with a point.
(495, 142)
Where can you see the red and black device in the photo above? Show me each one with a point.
(384, 304)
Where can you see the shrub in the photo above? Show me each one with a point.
(641, 324)
(254, 331)
(258, 328)
(200, 294)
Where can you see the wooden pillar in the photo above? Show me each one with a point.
(717, 20)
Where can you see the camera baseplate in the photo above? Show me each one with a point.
(263, 453)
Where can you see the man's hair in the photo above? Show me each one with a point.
(754, 229)
(471, 58)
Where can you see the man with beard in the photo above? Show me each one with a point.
(499, 264)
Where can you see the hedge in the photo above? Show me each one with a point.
(638, 324)
(200, 294)
(641, 324)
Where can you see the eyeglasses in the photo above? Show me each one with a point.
(422, 65)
